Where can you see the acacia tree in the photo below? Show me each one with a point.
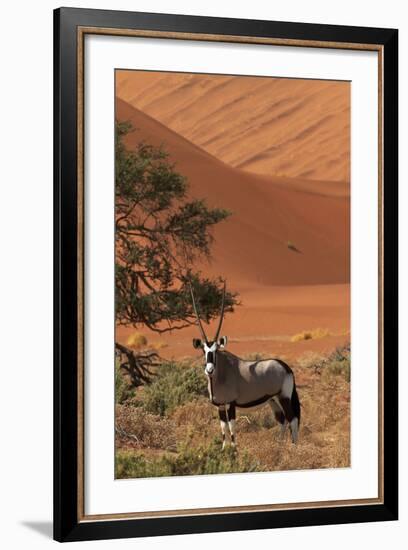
(160, 234)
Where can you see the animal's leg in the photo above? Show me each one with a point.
(223, 423)
(279, 415)
(290, 417)
(287, 401)
(294, 429)
(232, 422)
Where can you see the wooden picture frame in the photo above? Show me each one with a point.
(71, 26)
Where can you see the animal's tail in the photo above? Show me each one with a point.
(295, 402)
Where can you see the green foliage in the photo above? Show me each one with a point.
(123, 388)
(174, 384)
(205, 459)
(338, 363)
(160, 233)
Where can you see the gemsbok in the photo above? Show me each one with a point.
(235, 382)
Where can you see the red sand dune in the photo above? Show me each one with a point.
(252, 245)
(280, 126)
(283, 291)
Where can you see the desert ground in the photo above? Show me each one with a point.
(275, 152)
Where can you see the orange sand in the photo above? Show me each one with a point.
(283, 291)
(280, 126)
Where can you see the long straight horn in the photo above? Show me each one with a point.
(222, 314)
(204, 337)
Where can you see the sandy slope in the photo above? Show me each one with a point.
(282, 291)
(266, 321)
(287, 127)
(251, 247)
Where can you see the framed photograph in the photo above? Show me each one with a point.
(225, 274)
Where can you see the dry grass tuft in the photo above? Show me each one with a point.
(309, 359)
(160, 345)
(197, 422)
(136, 340)
(310, 335)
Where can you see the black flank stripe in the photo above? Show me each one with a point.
(254, 403)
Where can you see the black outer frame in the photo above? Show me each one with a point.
(66, 525)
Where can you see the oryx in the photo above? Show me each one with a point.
(235, 382)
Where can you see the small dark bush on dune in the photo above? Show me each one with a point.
(175, 383)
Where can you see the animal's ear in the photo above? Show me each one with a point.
(196, 343)
(222, 342)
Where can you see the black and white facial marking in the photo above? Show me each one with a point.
(210, 352)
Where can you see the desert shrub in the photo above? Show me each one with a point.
(310, 335)
(175, 383)
(143, 429)
(196, 422)
(338, 363)
(310, 359)
(267, 418)
(253, 421)
(341, 353)
(340, 368)
(204, 459)
(304, 335)
(129, 464)
(123, 388)
(210, 459)
(197, 413)
(320, 333)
